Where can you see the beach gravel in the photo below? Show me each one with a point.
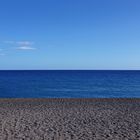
(70, 119)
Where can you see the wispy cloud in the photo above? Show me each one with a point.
(26, 48)
(26, 43)
(22, 45)
(2, 54)
(9, 42)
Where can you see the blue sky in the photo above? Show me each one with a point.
(69, 34)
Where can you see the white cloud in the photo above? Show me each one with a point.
(26, 43)
(22, 45)
(26, 48)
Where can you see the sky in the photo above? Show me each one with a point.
(69, 34)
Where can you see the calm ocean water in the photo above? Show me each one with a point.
(70, 83)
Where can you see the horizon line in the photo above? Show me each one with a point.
(70, 69)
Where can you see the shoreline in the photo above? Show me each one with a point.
(70, 118)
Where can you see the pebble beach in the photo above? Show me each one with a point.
(70, 119)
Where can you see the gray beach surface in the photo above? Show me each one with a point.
(69, 119)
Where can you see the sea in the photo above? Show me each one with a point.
(69, 84)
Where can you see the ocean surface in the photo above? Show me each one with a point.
(66, 83)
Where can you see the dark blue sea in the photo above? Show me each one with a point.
(66, 83)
